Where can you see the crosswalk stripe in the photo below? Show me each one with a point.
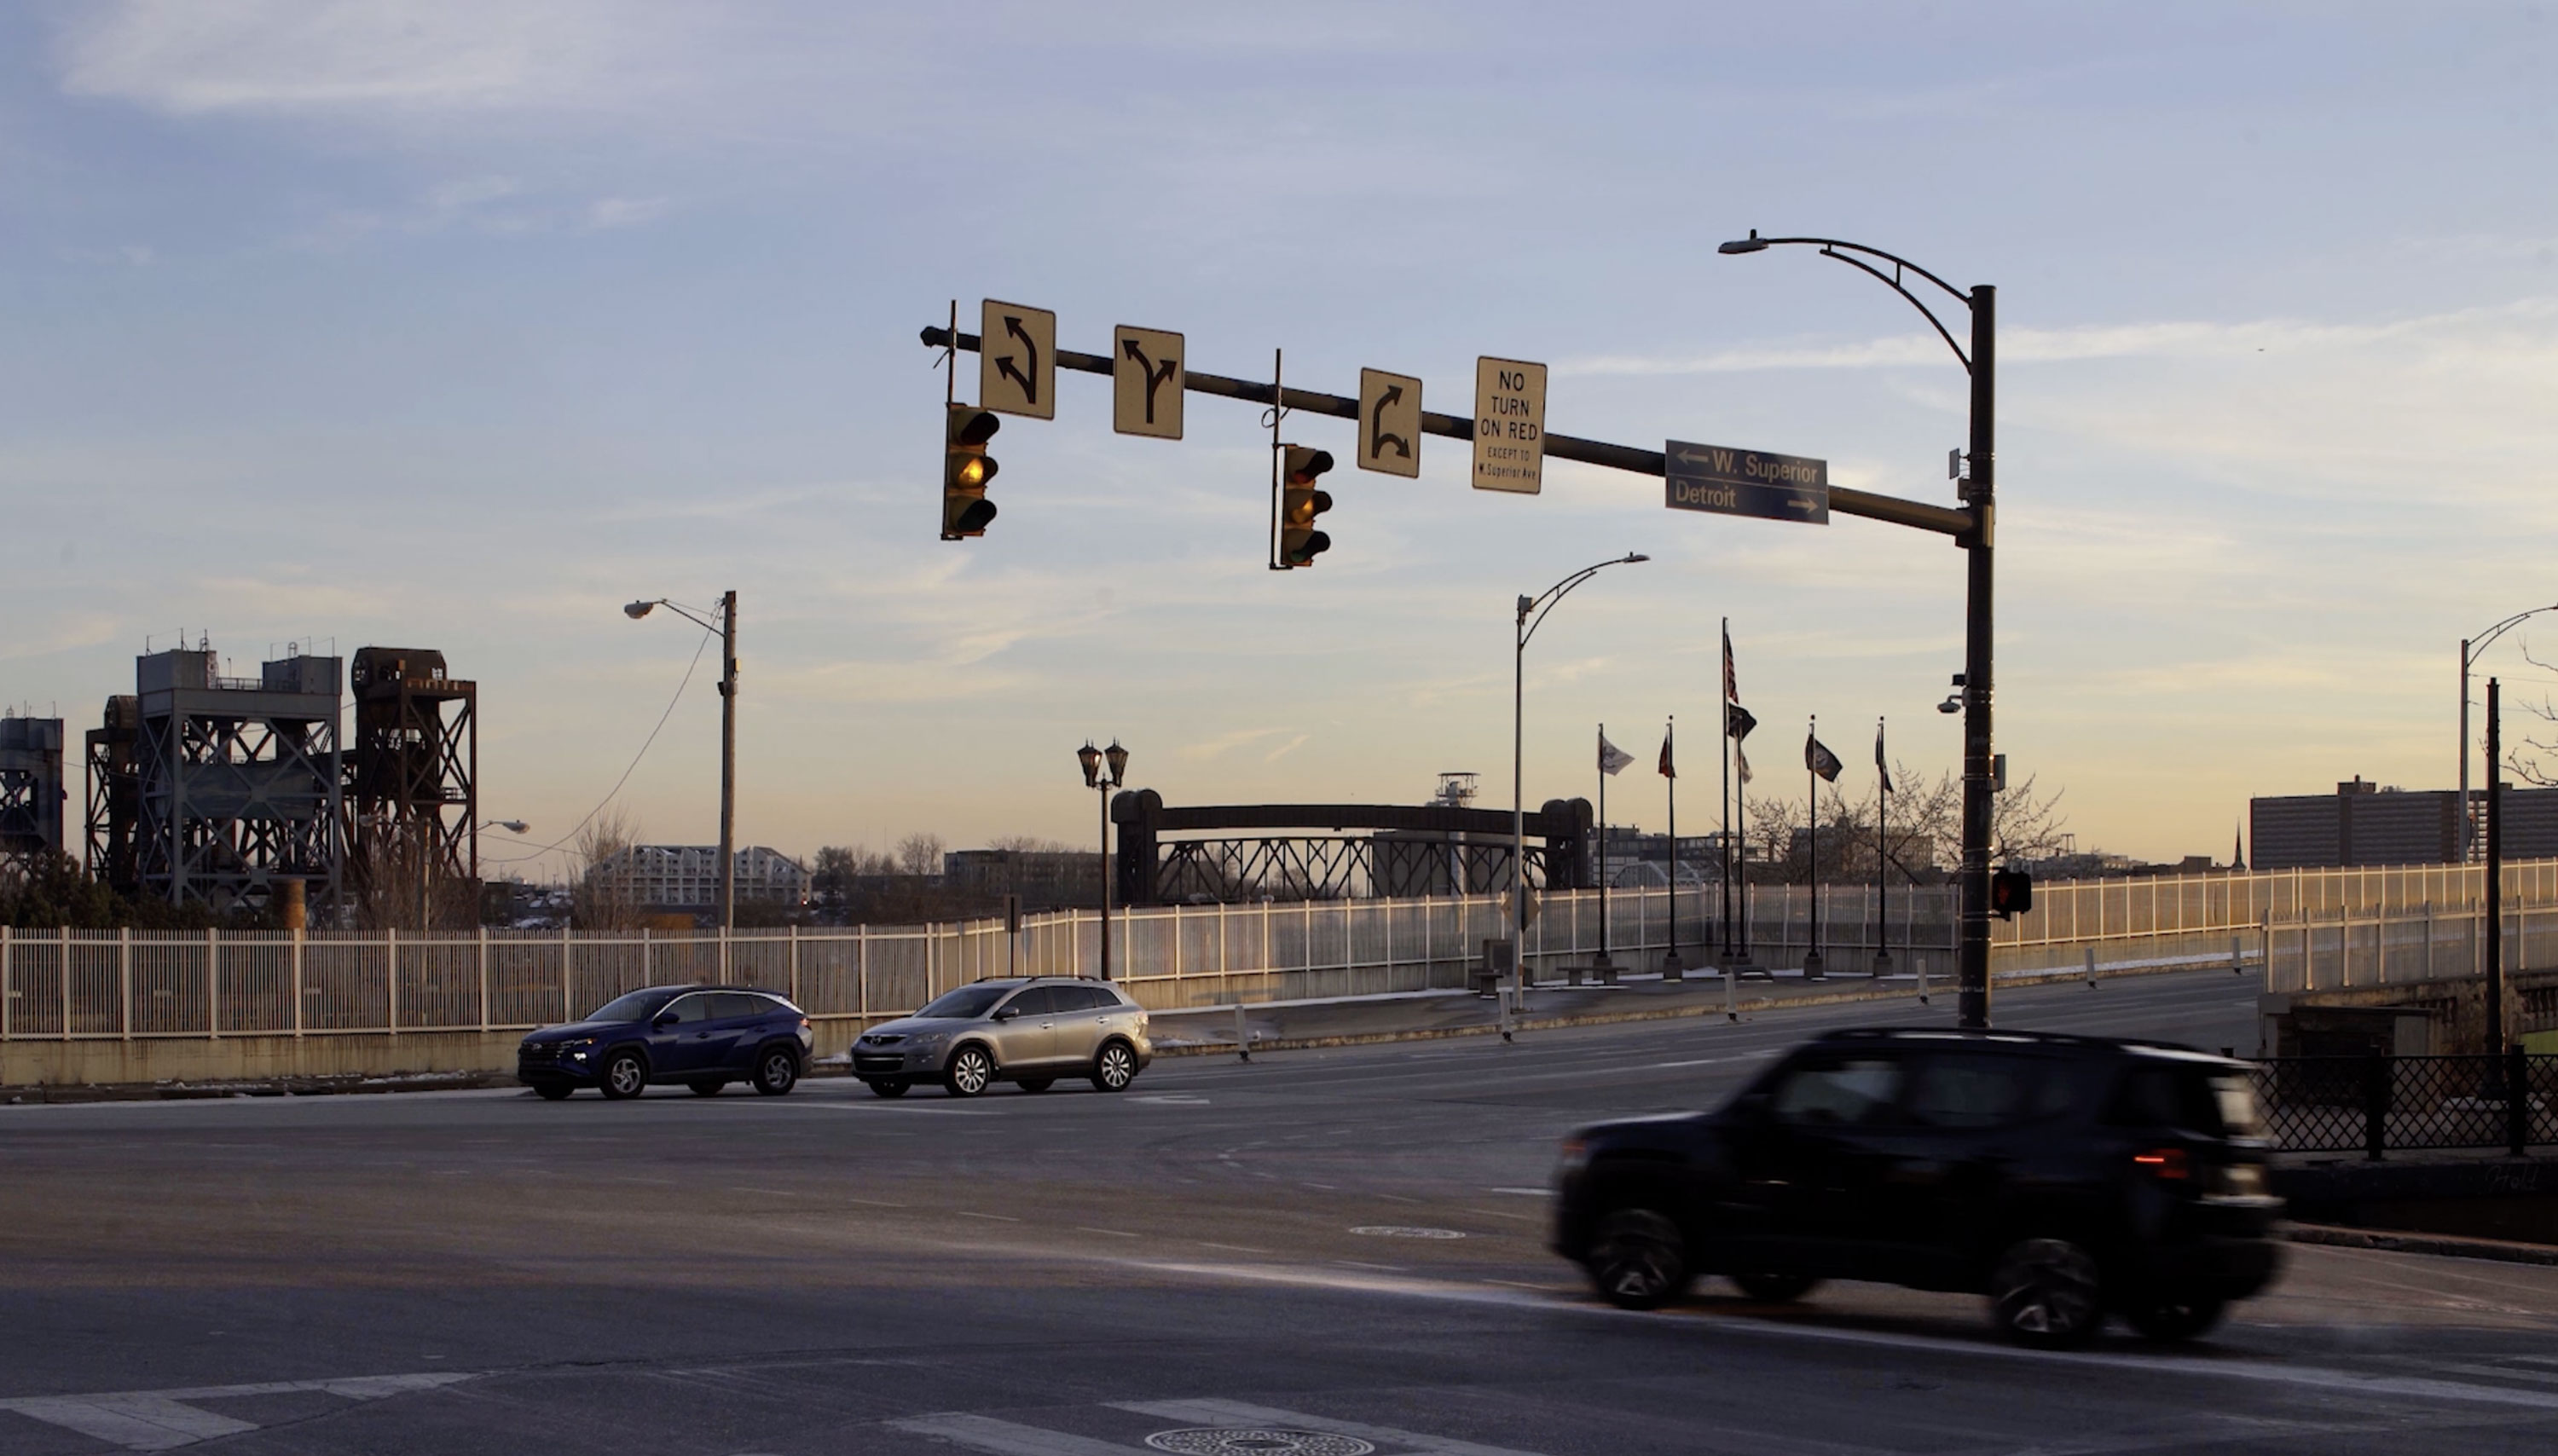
(1004, 1438)
(163, 1421)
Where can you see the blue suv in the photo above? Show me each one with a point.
(704, 1036)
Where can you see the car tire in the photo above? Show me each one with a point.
(970, 1071)
(1775, 1288)
(2047, 1293)
(552, 1091)
(1114, 1066)
(625, 1075)
(707, 1087)
(2171, 1320)
(1037, 1084)
(1639, 1260)
(776, 1071)
(889, 1086)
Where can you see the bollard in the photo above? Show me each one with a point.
(2239, 961)
(1731, 1013)
(1922, 963)
(2092, 967)
(1243, 1035)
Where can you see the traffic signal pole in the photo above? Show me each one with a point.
(1972, 1004)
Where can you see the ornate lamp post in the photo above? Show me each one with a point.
(1095, 760)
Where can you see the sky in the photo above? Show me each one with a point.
(458, 326)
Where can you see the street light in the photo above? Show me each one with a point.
(725, 628)
(1981, 362)
(517, 827)
(1524, 629)
(2472, 649)
(1095, 760)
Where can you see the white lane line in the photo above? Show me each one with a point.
(1525, 1192)
(1113, 1232)
(1004, 1438)
(161, 1420)
(1239, 1413)
(992, 1218)
(2339, 1382)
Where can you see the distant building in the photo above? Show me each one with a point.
(1046, 880)
(684, 878)
(2365, 824)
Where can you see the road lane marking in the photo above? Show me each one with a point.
(1113, 1232)
(1237, 1412)
(2315, 1378)
(1004, 1438)
(1525, 1192)
(163, 1421)
(993, 1218)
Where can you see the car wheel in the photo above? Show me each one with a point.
(552, 1091)
(889, 1086)
(776, 1071)
(1775, 1288)
(1038, 1084)
(2171, 1320)
(970, 1072)
(1115, 1067)
(707, 1087)
(2046, 1294)
(1639, 1260)
(624, 1075)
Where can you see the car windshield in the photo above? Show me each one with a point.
(635, 1007)
(967, 1002)
(2237, 1098)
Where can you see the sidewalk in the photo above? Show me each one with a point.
(1430, 1014)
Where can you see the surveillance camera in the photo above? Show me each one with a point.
(1953, 704)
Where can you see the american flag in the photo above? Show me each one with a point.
(1731, 684)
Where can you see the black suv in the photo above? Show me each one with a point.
(704, 1036)
(2065, 1177)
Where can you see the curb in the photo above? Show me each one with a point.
(43, 1094)
(1604, 1018)
(2444, 1246)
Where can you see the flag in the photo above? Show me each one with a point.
(1666, 770)
(1880, 766)
(1819, 759)
(1731, 684)
(1741, 761)
(1737, 721)
(1612, 757)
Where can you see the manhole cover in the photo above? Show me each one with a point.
(1207, 1440)
(1403, 1230)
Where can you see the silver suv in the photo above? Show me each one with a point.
(1029, 1031)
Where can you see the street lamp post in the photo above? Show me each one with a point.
(1095, 760)
(2472, 649)
(726, 630)
(1524, 629)
(1979, 494)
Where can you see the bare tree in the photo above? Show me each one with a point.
(605, 900)
(919, 855)
(1024, 843)
(1924, 830)
(2534, 760)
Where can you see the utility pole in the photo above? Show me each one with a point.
(1972, 1005)
(727, 763)
(2495, 876)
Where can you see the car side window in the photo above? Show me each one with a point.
(686, 1010)
(1973, 1090)
(1849, 1092)
(1038, 1001)
(1085, 998)
(737, 1005)
(2166, 1098)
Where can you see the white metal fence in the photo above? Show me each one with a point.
(2317, 927)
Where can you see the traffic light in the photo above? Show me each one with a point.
(2011, 892)
(1299, 502)
(965, 470)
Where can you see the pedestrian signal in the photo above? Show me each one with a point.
(2011, 894)
(965, 470)
(1299, 502)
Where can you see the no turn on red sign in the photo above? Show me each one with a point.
(1509, 425)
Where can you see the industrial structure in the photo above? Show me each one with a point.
(114, 798)
(411, 786)
(237, 780)
(1322, 852)
(31, 791)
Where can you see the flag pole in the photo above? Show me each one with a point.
(1670, 969)
(1882, 857)
(1812, 818)
(1724, 800)
(1601, 964)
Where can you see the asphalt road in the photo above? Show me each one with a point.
(1344, 1244)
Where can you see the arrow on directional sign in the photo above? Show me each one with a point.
(1030, 348)
(1156, 375)
(1377, 438)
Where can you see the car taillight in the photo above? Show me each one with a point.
(804, 1023)
(2167, 1165)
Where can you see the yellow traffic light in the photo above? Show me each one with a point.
(1299, 502)
(965, 470)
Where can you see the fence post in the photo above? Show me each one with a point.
(65, 936)
(123, 978)
(566, 942)
(296, 958)
(724, 975)
(794, 966)
(862, 973)
(2518, 1100)
(212, 985)
(391, 1000)
(648, 945)
(2378, 1079)
(484, 979)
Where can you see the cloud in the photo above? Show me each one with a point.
(607, 213)
(1212, 748)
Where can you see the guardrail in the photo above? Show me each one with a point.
(2377, 1105)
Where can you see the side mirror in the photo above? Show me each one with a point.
(662, 1022)
(1008, 1014)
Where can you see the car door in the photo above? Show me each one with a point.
(1083, 1013)
(1952, 1164)
(1806, 1163)
(1023, 1029)
(678, 1036)
(730, 1037)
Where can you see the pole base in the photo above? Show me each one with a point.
(1602, 970)
(1881, 964)
(1812, 970)
(1671, 967)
